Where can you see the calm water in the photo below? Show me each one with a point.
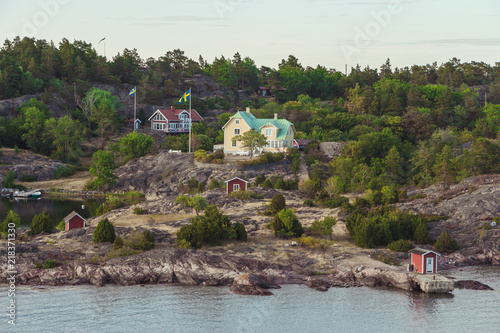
(56, 208)
(167, 308)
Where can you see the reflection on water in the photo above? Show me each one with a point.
(56, 208)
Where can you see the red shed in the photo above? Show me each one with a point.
(236, 184)
(73, 221)
(424, 261)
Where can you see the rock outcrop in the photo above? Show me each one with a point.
(29, 164)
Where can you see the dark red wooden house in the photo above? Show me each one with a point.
(73, 221)
(424, 261)
(236, 184)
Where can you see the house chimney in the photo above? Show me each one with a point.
(172, 108)
(248, 110)
(275, 116)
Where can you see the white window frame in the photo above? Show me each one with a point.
(237, 131)
(233, 143)
(237, 121)
(269, 132)
(236, 187)
(158, 126)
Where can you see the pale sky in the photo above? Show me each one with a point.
(327, 32)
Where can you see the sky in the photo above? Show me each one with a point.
(332, 33)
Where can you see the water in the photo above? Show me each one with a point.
(167, 308)
(56, 208)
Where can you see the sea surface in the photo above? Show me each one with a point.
(168, 308)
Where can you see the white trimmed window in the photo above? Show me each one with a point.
(236, 187)
(269, 132)
(233, 143)
(157, 126)
(237, 131)
(237, 121)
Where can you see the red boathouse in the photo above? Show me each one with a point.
(236, 184)
(73, 221)
(424, 261)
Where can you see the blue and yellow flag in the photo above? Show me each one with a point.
(185, 97)
(132, 92)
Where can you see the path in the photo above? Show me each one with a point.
(303, 172)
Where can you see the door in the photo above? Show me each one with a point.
(429, 265)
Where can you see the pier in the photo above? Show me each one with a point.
(433, 283)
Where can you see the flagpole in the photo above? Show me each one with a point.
(135, 105)
(190, 119)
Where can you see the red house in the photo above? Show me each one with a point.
(73, 221)
(173, 120)
(424, 261)
(236, 184)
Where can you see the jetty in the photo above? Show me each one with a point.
(14, 193)
(433, 283)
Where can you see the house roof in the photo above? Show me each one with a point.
(131, 120)
(246, 181)
(71, 215)
(303, 142)
(172, 114)
(422, 252)
(281, 124)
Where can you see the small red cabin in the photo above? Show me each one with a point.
(73, 221)
(236, 184)
(424, 261)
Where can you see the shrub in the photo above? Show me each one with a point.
(260, 179)
(286, 224)
(188, 237)
(313, 243)
(104, 232)
(16, 149)
(139, 211)
(445, 243)
(62, 171)
(141, 241)
(374, 197)
(28, 179)
(389, 194)
(308, 203)
(200, 155)
(323, 227)
(267, 183)
(335, 202)
(11, 218)
(197, 202)
(112, 202)
(280, 184)
(295, 167)
(201, 187)
(124, 251)
(292, 153)
(9, 179)
(61, 226)
(48, 264)
(245, 195)
(417, 196)
(41, 223)
(241, 232)
(311, 187)
(401, 245)
(118, 243)
(214, 183)
(277, 204)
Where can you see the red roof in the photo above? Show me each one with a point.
(172, 114)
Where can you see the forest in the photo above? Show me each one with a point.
(418, 125)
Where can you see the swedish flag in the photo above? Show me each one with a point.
(186, 97)
(132, 92)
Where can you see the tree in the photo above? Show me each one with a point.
(104, 232)
(445, 243)
(67, 135)
(11, 219)
(41, 223)
(102, 168)
(445, 167)
(134, 145)
(324, 227)
(197, 202)
(286, 224)
(277, 204)
(251, 140)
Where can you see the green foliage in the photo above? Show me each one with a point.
(323, 227)
(16, 149)
(61, 226)
(245, 195)
(445, 243)
(310, 187)
(197, 202)
(214, 183)
(277, 204)
(139, 211)
(11, 218)
(390, 194)
(134, 145)
(41, 223)
(102, 167)
(260, 179)
(142, 241)
(8, 181)
(308, 203)
(112, 202)
(28, 178)
(47, 264)
(209, 229)
(401, 245)
(313, 243)
(63, 171)
(265, 158)
(241, 232)
(286, 224)
(104, 232)
(251, 140)
(118, 243)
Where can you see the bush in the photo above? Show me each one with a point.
(104, 232)
(214, 183)
(323, 227)
(61, 226)
(41, 223)
(260, 179)
(335, 202)
(124, 251)
(277, 204)
(139, 211)
(63, 171)
(417, 196)
(9, 179)
(188, 237)
(47, 264)
(140, 241)
(445, 243)
(308, 203)
(267, 183)
(28, 179)
(112, 202)
(241, 232)
(401, 245)
(11, 218)
(280, 184)
(389, 194)
(16, 149)
(313, 243)
(286, 224)
(118, 243)
(311, 187)
(245, 195)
